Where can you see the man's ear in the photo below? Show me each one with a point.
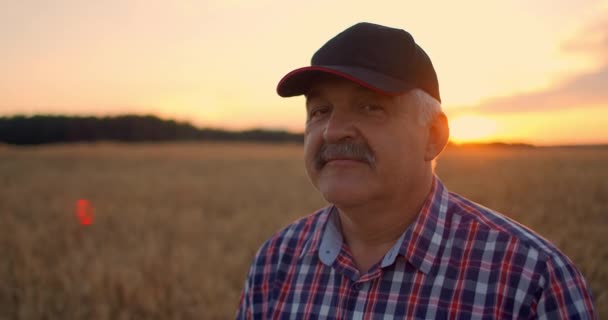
(439, 133)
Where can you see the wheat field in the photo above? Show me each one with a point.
(176, 225)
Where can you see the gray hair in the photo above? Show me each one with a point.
(427, 107)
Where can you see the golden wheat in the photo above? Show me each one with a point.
(176, 225)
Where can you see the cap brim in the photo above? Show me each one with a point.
(299, 81)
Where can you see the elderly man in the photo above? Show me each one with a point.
(394, 243)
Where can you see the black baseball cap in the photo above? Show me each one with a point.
(383, 59)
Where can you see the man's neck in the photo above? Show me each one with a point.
(372, 229)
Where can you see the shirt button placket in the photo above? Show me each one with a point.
(350, 302)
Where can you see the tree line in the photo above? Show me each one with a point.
(41, 129)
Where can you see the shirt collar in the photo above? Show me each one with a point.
(419, 243)
(331, 241)
(313, 242)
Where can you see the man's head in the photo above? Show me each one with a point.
(374, 122)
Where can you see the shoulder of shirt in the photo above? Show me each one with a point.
(294, 238)
(469, 211)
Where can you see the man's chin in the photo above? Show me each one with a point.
(343, 195)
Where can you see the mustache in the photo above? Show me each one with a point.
(344, 150)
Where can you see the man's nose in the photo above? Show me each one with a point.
(338, 127)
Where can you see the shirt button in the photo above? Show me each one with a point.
(357, 286)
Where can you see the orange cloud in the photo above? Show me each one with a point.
(591, 40)
(584, 89)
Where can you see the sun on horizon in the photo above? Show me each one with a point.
(472, 128)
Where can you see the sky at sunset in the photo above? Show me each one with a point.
(514, 71)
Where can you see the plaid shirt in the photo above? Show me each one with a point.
(458, 260)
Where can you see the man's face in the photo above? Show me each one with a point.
(360, 146)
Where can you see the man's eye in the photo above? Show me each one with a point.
(372, 108)
(317, 112)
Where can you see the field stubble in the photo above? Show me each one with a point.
(176, 225)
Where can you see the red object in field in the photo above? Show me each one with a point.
(84, 212)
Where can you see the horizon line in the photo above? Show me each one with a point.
(498, 142)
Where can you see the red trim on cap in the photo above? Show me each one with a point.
(337, 73)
